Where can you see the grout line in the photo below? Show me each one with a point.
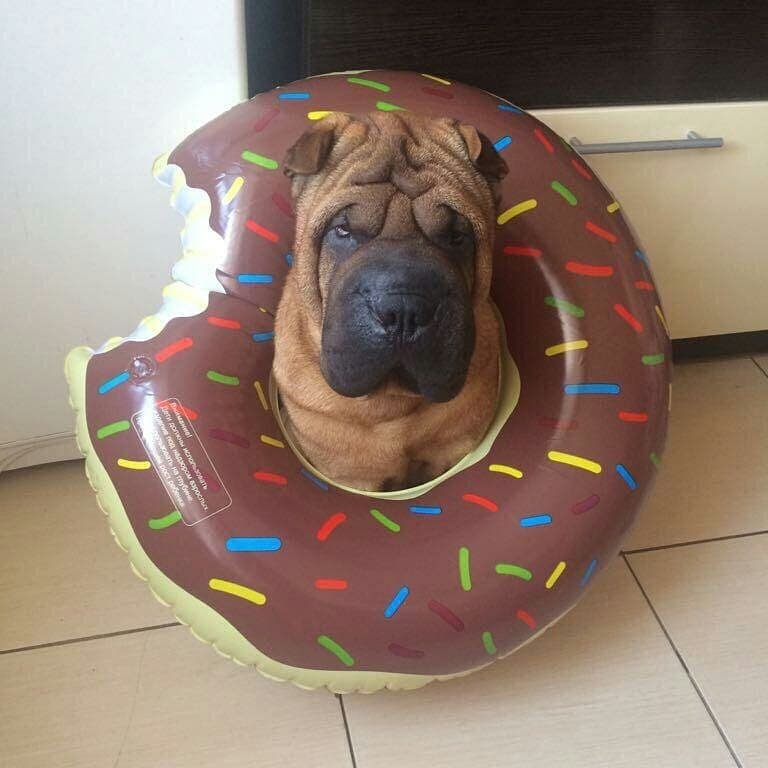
(346, 730)
(73, 640)
(759, 367)
(727, 537)
(683, 664)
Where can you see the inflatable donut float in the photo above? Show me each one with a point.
(276, 566)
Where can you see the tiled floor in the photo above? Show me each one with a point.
(665, 663)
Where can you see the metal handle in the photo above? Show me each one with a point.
(693, 141)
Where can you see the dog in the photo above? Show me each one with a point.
(387, 344)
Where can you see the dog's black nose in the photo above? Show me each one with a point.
(403, 314)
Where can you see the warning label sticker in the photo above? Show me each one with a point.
(180, 460)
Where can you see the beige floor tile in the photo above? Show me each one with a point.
(711, 598)
(762, 361)
(602, 688)
(714, 478)
(158, 699)
(61, 575)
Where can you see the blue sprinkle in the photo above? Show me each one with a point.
(510, 108)
(266, 336)
(588, 573)
(427, 510)
(534, 520)
(626, 476)
(289, 259)
(396, 602)
(316, 480)
(592, 389)
(256, 544)
(640, 255)
(115, 381)
(250, 278)
(502, 143)
(293, 96)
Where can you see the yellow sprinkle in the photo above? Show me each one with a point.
(129, 464)
(566, 346)
(516, 210)
(437, 79)
(319, 114)
(555, 575)
(575, 461)
(231, 193)
(262, 396)
(661, 317)
(613, 207)
(505, 469)
(238, 590)
(267, 440)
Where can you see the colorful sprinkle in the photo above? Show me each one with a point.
(383, 87)
(222, 322)
(396, 602)
(481, 501)
(436, 79)
(509, 569)
(637, 417)
(234, 188)
(188, 413)
(316, 480)
(522, 250)
(446, 614)
(502, 143)
(254, 544)
(330, 525)
(257, 159)
(526, 618)
(273, 441)
(626, 476)
(265, 119)
(132, 464)
(662, 319)
(641, 255)
(600, 232)
(505, 469)
(385, 106)
(427, 510)
(112, 429)
(336, 650)
(589, 270)
(263, 336)
(270, 477)
(533, 521)
(653, 359)
(564, 192)
(159, 523)
(575, 461)
(592, 389)
(545, 142)
(516, 210)
(319, 114)
(567, 346)
(238, 590)
(439, 92)
(628, 317)
(581, 169)
(406, 653)
(488, 644)
(229, 437)
(289, 259)
(254, 278)
(655, 459)
(267, 234)
(293, 96)
(173, 349)
(465, 579)
(115, 381)
(644, 285)
(222, 378)
(510, 108)
(612, 207)
(389, 524)
(262, 397)
(566, 306)
(555, 575)
(331, 584)
(588, 573)
(580, 507)
(282, 204)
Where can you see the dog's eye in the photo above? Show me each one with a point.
(457, 238)
(341, 230)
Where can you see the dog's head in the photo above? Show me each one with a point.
(393, 249)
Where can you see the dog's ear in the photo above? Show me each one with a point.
(310, 153)
(482, 153)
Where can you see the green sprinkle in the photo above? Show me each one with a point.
(332, 646)
(566, 193)
(464, 577)
(490, 646)
(264, 162)
(158, 523)
(369, 83)
(508, 569)
(566, 306)
(653, 359)
(655, 459)
(112, 429)
(385, 106)
(222, 378)
(385, 521)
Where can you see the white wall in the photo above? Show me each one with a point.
(90, 93)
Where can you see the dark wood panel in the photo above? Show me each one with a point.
(556, 52)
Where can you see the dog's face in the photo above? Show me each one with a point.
(395, 217)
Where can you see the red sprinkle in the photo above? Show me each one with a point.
(282, 204)
(265, 119)
(267, 234)
(178, 408)
(446, 614)
(330, 525)
(522, 250)
(585, 505)
(637, 417)
(481, 501)
(544, 140)
(589, 270)
(331, 584)
(441, 92)
(581, 169)
(271, 477)
(644, 285)
(172, 349)
(626, 315)
(222, 322)
(526, 617)
(229, 437)
(600, 232)
(401, 650)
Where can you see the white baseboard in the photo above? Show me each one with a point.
(38, 450)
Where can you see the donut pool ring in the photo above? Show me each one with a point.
(275, 565)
